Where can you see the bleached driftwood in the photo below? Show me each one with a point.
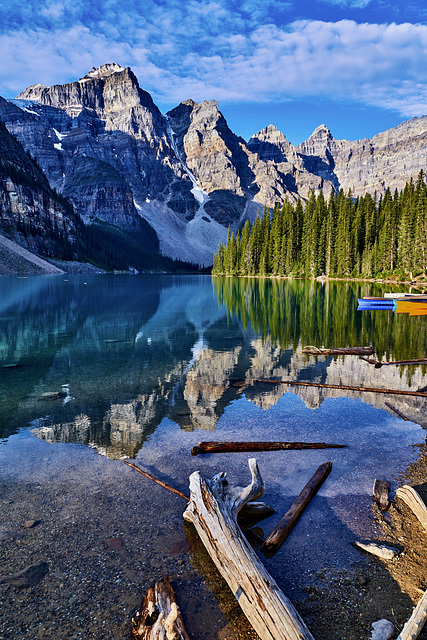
(379, 550)
(159, 617)
(415, 624)
(414, 501)
(213, 510)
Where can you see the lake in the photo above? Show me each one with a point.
(98, 369)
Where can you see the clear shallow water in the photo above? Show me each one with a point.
(135, 366)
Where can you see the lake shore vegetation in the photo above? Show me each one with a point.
(344, 237)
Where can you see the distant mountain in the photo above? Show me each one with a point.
(104, 146)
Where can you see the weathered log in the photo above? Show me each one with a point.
(349, 351)
(291, 517)
(414, 501)
(380, 491)
(416, 622)
(343, 387)
(378, 365)
(233, 447)
(387, 404)
(159, 617)
(213, 510)
(165, 485)
(380, 550)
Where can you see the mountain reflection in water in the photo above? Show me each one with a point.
(102, 360)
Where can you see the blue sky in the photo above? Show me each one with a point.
(358, 66)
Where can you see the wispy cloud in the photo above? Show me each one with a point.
(221, 49)
(352, 4)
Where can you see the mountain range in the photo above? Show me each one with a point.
(99, 153)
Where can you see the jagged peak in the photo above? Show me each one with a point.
(321, 131)
(104, 70)
(269, 133)
(189, 103)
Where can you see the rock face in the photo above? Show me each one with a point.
(31, 213)
(105, 146)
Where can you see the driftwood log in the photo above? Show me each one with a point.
(380, 492)
(159, 617)
(380, 550)
(349, 351)
(234, 447)
(291, 517)
(414, 501)
(387, 404)
(213, 510)
(416, 622)
(378, 364)
(165, 485)
(340, 387)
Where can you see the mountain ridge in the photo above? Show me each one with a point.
(105, 146)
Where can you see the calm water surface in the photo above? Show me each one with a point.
(140, 367)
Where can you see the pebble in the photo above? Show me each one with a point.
(29, 524)
(382, 630)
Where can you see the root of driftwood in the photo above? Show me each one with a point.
(349, 351)
(229, 447)
(213, 510)
(159, 617)
(414, 501)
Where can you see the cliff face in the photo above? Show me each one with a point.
(31, 213)
(104, 145)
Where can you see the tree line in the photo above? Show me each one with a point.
(343, 236)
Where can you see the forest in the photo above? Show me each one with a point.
(369, 236)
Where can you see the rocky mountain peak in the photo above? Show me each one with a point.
(104, 70)
(271, 144)
(318, 144)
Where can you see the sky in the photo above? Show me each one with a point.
(357, 66)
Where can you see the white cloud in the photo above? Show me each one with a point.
(175, 57)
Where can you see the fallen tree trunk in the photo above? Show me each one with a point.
(291, 517)
(213, 510)
(229, 447)
(414, 501)
(159, 617)
(416, 622)
(349, 351)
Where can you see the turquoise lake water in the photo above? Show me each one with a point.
(96, 369)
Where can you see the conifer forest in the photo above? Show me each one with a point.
(343, 236)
